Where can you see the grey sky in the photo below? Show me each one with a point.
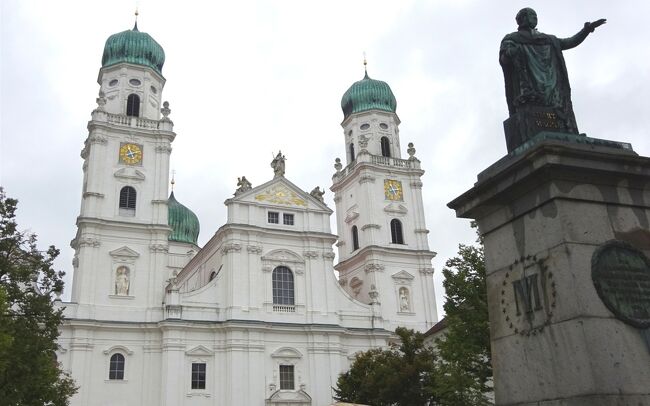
(246, 78)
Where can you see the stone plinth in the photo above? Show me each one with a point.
(543, 214)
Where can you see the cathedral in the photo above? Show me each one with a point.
(261, 314)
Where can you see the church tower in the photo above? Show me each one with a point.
(121, 246)
(383, 249)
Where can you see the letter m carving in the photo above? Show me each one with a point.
(527, 294)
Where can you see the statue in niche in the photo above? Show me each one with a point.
(278, 164)
(318, 194)
(403, 300)
(122, 281)
(537, 85)
(243, 185)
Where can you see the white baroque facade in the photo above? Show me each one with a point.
(256, 316)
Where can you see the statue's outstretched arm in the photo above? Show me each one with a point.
(568, 43)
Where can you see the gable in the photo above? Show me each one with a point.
(280, 192)
(124, 252)
(403, 277)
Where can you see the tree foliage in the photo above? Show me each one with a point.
(401, 375)
(464, 350)
(29, 322)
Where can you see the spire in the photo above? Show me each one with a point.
(135, 27)
(173, 182)
(365, 65)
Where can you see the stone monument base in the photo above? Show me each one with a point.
(545, 215)
(530, 121)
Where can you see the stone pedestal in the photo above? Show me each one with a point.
(543, 214)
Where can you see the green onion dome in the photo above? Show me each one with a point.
(184, 223)
(368, 94)
(133, 46)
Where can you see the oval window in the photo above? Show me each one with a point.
(154, 90)
(112, 82)
(383, 126)
(365, 126)
(135, 82)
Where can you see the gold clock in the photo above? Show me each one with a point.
(130, 154)
(393, 189)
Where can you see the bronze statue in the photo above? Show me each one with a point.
(537, 84)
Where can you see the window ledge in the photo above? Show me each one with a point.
(197, 393)
(121, 297)
(116, 380)
(406, 313)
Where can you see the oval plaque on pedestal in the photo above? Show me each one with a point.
(621, 275)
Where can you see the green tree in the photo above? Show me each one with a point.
(464, 361)
(401, 375)
(29, 322)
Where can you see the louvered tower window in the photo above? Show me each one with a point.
(385, 147)
(127, 201)
(396, 232)
(133, 105)
(355, 238)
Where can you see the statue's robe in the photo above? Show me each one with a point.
(535, 73)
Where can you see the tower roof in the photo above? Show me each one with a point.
(133, 46)
(368, 94)
(184, 223)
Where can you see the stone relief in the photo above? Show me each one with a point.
(528, 296)
(279, 194)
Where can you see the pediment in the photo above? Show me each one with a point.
(403, 276)
(130, 174)
(352, 214)
(199, 351)
(396, 209)
(280, 192)
(124, 252)
(283, 256)
(286, 352)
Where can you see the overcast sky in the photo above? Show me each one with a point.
(246, 78)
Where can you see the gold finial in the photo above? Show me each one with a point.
(173, 182)
(135, 26)
(365, 63)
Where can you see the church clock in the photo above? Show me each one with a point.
(130, 154)
(393, 189)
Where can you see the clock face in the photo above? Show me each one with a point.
(393, 189)
(130, 154)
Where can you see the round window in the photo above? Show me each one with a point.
(383, 126)
(154, 90)
(135, 82)
(112, 82)
(365, 126)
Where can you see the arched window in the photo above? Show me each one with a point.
(127, 201)
(116, 368)
(396, 232)
(355, 238)
(283, 286)
(385, 147)
(352, 152)
(133, 105)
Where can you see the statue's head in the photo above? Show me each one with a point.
(526, 18)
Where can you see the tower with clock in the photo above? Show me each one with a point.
(122, 246)
(384, 257)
